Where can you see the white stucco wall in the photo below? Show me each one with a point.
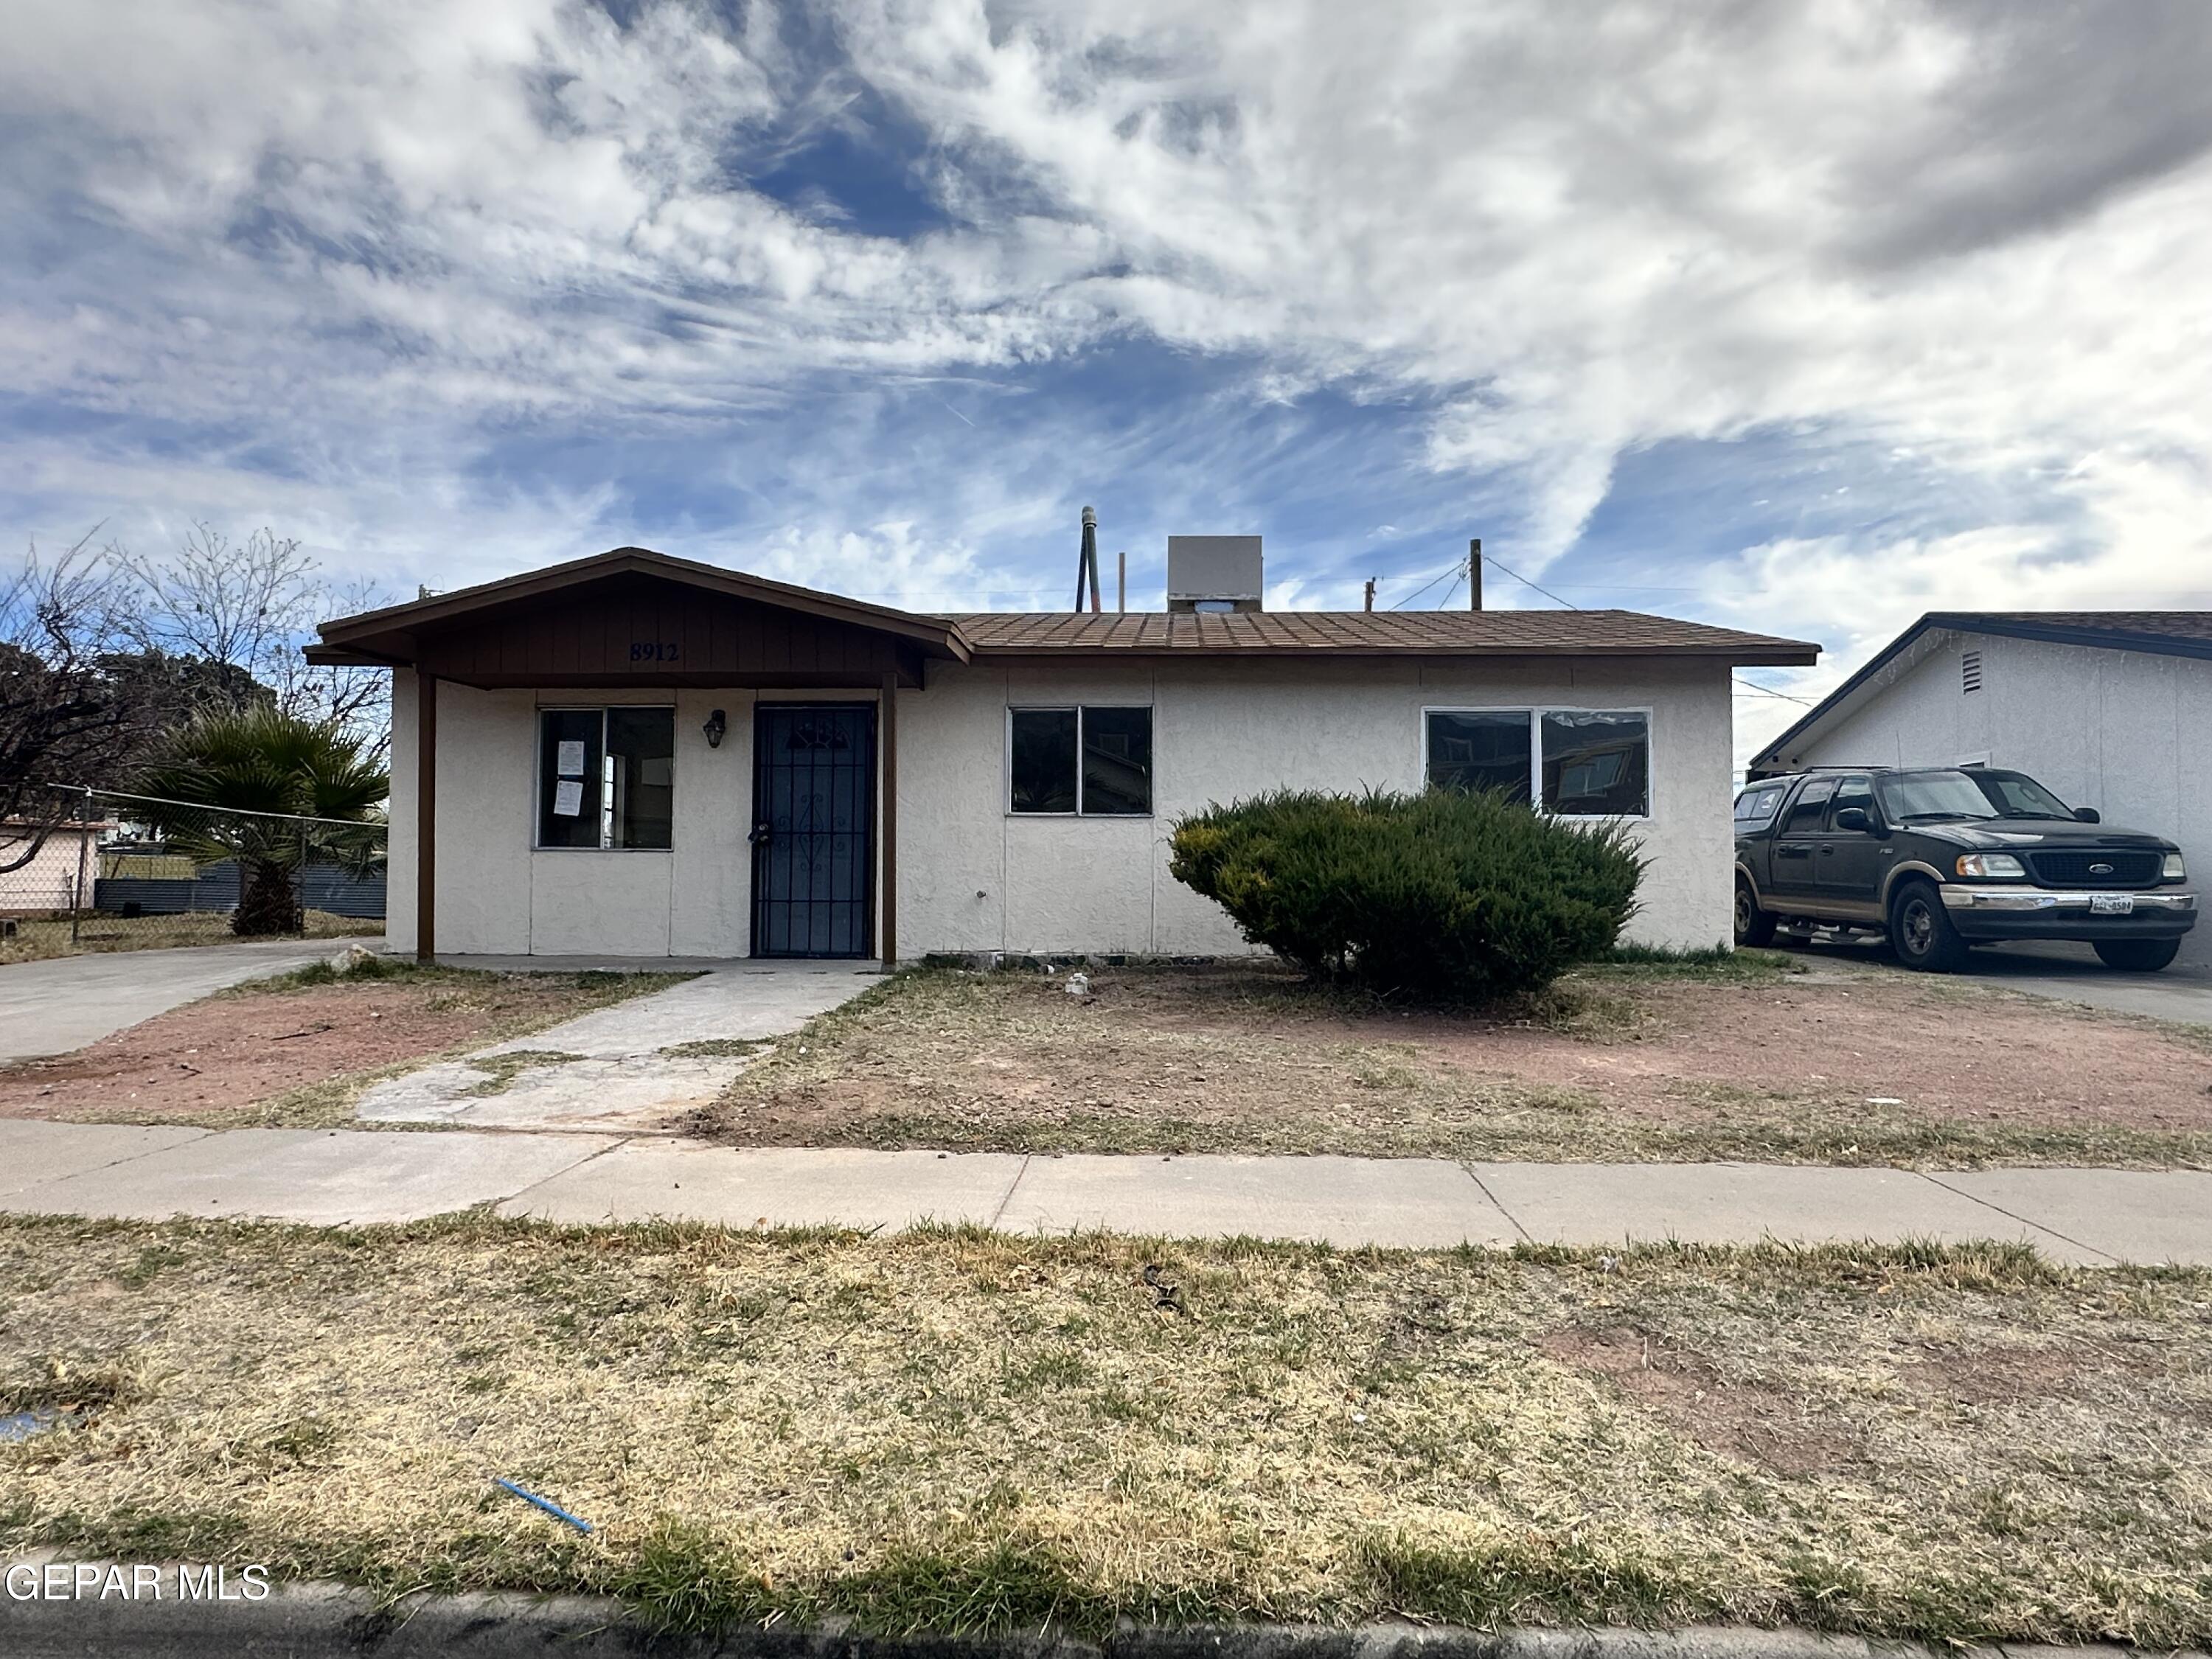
(498, 894)
(2114, 730)
(972, 878)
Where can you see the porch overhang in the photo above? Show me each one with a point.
(635, 617)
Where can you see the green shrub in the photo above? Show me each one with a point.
(1447, 894)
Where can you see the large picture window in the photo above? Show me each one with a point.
(607, 777)
(1578, 763)
(1097, 761)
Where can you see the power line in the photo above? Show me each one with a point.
(1749, 685)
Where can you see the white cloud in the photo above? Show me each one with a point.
(369, 241)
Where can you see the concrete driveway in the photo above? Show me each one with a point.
(2065, 972)
(53, 1007)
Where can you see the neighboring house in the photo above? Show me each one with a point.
(2104, 707)
(638, 756)
(48, 882)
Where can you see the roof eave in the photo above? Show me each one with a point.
(343, 633)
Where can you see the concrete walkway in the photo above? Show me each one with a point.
(613, 1068)
(55, 1006)
(330, 1178)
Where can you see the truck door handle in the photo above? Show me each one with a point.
(1789, 851)
(1826, 851)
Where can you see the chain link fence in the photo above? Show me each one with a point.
(105, 869)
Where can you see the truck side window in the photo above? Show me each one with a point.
(1810, 807)
(1853, 791)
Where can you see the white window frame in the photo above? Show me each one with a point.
(1006, 779)
(1535, 711)
(538, 771)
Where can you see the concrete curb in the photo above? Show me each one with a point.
(304, 1621)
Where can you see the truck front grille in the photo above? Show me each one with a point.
(2095, 868)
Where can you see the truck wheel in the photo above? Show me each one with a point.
(2140, 956)
(1754, 927)
(1921, 932)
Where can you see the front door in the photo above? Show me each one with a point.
(814, 814)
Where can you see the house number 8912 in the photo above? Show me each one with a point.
(652, 651)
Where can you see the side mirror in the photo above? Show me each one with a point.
(1853, 818)
(2088, 815)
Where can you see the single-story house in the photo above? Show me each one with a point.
(2104, 706)
(640, 755)
(46, 882)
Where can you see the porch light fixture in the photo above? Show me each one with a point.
(717, 723)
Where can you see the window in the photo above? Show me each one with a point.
(1757, 806)
(1094, 762)
(1590, 762)
(1852, 791)
(1480, 749)
(1597, 765)
(607, 777)
(1810, 807)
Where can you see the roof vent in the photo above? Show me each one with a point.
(1214, 573)
(1970, 672)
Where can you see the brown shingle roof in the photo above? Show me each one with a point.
(1363, 633)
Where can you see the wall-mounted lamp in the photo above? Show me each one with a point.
(717, 723)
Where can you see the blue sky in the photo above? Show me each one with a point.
(1803, 318)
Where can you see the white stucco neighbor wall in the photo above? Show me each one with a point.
(972, 878)
(2115, 730)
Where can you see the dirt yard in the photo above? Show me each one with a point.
(1754, 1061)
(296, 1050)
(953, 1430)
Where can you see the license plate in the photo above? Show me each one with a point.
(2112, 904)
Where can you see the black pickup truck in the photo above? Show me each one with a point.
(1944, 859)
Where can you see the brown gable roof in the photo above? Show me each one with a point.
(1364, 633)
(385, 634)
(396, 633)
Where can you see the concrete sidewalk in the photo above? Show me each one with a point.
(330, 1178)
(54, 1006)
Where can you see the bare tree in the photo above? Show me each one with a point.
(66, 714)
(253, 605)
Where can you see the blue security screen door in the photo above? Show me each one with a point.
(814, 799)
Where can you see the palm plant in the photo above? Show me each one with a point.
(272, 791)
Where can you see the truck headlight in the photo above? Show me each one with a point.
(2171, 870)
(1989, 864)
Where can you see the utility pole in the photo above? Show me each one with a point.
(1122, 583)
(1475, 573)
(1370, 595)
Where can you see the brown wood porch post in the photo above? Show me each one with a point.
(426, 817)
(888, 721)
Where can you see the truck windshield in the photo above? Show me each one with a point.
(1907, 797)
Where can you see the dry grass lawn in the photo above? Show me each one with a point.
(1748, 1058)
(40, 940)
(957, 1430)
(296, 1051)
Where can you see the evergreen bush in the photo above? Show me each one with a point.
(1450, 894)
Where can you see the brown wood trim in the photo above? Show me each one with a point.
(887, 886)
(426, 817)
(932, 631)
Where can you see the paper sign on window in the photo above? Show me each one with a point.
(568, 796)
(571, 765)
